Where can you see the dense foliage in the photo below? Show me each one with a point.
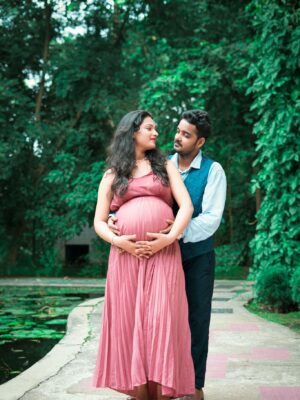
(68, 72)
(273, 288)
(276, 90)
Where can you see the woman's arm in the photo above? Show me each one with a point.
(126, 242)
(105, 196)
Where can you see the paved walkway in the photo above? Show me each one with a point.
(249, 358)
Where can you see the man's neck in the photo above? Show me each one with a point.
(184, 161)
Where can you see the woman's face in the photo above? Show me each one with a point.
(145, 137)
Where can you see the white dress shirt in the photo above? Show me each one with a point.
(207, 222)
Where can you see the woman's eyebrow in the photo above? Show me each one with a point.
(152, 125)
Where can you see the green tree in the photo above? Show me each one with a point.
(191, 57)
(60, 96)
(70, 70)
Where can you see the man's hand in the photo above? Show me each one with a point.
(169, 226)
(112, 224)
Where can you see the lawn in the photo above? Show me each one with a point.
(291, 319)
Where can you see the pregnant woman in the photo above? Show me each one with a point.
(145, 344)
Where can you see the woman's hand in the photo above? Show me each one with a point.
(158, 242)
(126, 243)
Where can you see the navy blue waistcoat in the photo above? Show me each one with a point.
(195, 183)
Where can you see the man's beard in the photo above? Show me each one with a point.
(177, 149)
(180, 151)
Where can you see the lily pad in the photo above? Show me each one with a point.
(34, 319)
(56, 322)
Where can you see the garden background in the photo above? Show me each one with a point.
(70, 69)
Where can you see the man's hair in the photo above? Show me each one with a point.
(200, 119)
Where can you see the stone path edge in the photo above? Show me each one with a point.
(60, 355)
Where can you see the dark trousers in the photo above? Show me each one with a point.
(199, 278)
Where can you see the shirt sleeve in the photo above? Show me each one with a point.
(207, 222)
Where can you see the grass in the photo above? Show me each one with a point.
(228, 261)
(290, 319)
(233, 273)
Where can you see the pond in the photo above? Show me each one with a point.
(32, 321)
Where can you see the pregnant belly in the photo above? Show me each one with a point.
(143, 214)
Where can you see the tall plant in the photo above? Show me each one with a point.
(276, 90)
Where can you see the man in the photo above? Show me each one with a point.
(206, 182)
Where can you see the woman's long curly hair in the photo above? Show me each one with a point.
(121, 153)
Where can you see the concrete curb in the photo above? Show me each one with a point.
(61, 354)
(52, 282)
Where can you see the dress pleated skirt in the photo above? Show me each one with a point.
(145, 336)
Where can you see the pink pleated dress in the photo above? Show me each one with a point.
(145, 335)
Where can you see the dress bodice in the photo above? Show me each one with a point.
(146, 185)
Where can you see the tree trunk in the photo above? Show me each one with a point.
(33, 243)
(39, 98)
(15, 232)
(12, 253)
(119, 24)
(229, 202)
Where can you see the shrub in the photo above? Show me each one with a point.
(50, 263)
(295, 283)
(228, 255)
(229, 258)
(97, 267)
(273, 288)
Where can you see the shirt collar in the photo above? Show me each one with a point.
(196, 163)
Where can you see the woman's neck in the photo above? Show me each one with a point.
(139, 156)
(142, 165)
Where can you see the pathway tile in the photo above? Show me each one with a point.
(280, 393)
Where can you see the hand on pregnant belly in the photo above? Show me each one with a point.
(156, 242)
(144, 215)
(126, 243)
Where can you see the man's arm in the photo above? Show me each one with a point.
(205, 224)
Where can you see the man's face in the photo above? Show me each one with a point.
(186, 141)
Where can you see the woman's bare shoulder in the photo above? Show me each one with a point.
(109, 174)
(170, 167)
(107, 180)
